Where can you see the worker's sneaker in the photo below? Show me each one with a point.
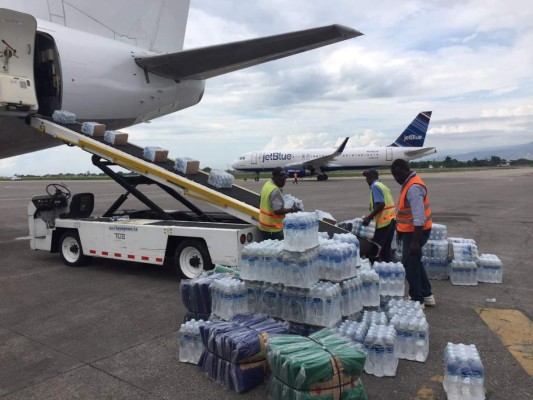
(430, 301)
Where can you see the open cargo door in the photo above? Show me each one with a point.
(17, 39)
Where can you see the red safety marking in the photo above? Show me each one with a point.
(105, 253)
(131, 256)
(144, 258)
(158, 260)
(118, 255)
(92, 251)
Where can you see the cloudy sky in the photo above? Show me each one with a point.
(470, 62)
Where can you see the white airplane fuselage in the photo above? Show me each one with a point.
(100, 81)
(350, 159)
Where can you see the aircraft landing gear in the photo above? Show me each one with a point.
(322, 177)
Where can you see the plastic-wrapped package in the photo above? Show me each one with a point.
(187, 165)
(289, 200)
(195, 293)
(115, 138)
(235, 351)
(191, 345)
(93, 129)
(361, 230)
(64, 117)
(155, 154)
(321, 366)
(220, 179)
(489, 268)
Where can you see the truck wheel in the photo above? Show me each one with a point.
(191, 258)
(71, 251)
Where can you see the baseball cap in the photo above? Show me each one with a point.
(371, 173)
(278, 171)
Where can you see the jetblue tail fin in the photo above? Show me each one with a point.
(415, 133)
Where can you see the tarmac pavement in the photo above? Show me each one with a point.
(110, 329)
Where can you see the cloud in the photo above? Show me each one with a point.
(467, 62)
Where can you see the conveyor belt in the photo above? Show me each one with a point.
(237, 201)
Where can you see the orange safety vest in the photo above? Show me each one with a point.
(404, 217)
(268, 220)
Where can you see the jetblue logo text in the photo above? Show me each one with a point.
(276, 156)
(412, 137)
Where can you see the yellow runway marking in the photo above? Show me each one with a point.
(515, 331)
(425, 394)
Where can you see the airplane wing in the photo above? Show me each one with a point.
(211, 61)
(420, 152)
(316, 163)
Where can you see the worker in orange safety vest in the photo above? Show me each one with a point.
(413, 227)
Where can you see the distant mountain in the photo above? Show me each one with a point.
(508, 153)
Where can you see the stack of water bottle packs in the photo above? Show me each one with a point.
(435, 253)
(229, 297)
(412, 329)
(300, 231)
(196, 295)
(391, 278)
(338, 259)
(371, 287)
(220, 179)
(458, 259)
(321, 366)
(489, 268)
(463, 372)
(234, 351)
(191, 344)
(463, 268)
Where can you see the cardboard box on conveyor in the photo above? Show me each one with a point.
(121, 138)
(155, 154)
(187, 165)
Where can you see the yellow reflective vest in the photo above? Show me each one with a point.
(268, 220)
(388, 213)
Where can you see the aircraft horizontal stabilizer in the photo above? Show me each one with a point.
(208, 62)
(420, 152)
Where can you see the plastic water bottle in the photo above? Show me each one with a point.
(463, 273)
(463, 373)
(490, 269)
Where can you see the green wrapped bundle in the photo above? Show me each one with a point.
(323, 366)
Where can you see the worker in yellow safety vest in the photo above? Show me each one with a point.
(413, 227)
(272, 208)
(383, 212)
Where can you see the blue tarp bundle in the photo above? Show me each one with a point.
(195, 293)
(235, 350)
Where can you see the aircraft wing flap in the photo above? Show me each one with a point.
(420, 152)
(208, 62)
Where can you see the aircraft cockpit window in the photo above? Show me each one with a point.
(242, 158)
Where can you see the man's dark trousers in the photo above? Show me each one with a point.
(415, 273)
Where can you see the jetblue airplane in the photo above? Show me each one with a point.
(119, 63)
(319, 161)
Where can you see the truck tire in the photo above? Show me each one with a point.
(71, 250)
(191, 258)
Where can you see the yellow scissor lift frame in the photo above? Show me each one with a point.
(236, 201)
(158, 172)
